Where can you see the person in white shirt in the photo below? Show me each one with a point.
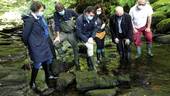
(141, 15)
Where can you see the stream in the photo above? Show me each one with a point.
(148, 76)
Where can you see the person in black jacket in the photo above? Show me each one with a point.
(100, 35)
(36, 38)
(121, 31)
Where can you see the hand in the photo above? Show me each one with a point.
(116, 40)
(103, 26)
(148, 29)
(90, 40)
(127, 41)
(57, 39)
(135, 30)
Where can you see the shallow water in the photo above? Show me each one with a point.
(149, 76)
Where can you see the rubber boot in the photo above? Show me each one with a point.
(149, 49)
(128, 62)
(47, 74)
(91, 64)
(98, 55)
(51, 72)
(138, 49)
(103, 53)
(33, 78)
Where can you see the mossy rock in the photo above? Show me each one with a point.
(163, 39)
(124, 77)
(90, 80)
(163, 26)
(102, 92)
(157, 17)
(65, 79)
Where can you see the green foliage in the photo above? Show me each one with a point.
(7, 6)
(152, 1)
(161, 3)
(50, 6)
(128, 3)
(164, 8)
(168, 13)
(112, 8)
(157, 17)
(163, 26)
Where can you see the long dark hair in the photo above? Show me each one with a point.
(102, 16)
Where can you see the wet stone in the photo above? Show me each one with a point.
(102, 92)
(91, 80)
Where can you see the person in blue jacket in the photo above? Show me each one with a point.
(36, 38)
(86, 28)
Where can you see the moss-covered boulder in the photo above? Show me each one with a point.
(163, 39)
(91, 80)
(102, 92)
(64, 80)
(157, 17)
(163, 26)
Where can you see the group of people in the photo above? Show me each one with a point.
(87, 29)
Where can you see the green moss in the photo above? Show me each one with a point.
(163, 26)
(112, 60)
(12, 49)
(91, 80)
(65, 79)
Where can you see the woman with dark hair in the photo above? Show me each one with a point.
(100, 35)
(36, 38)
